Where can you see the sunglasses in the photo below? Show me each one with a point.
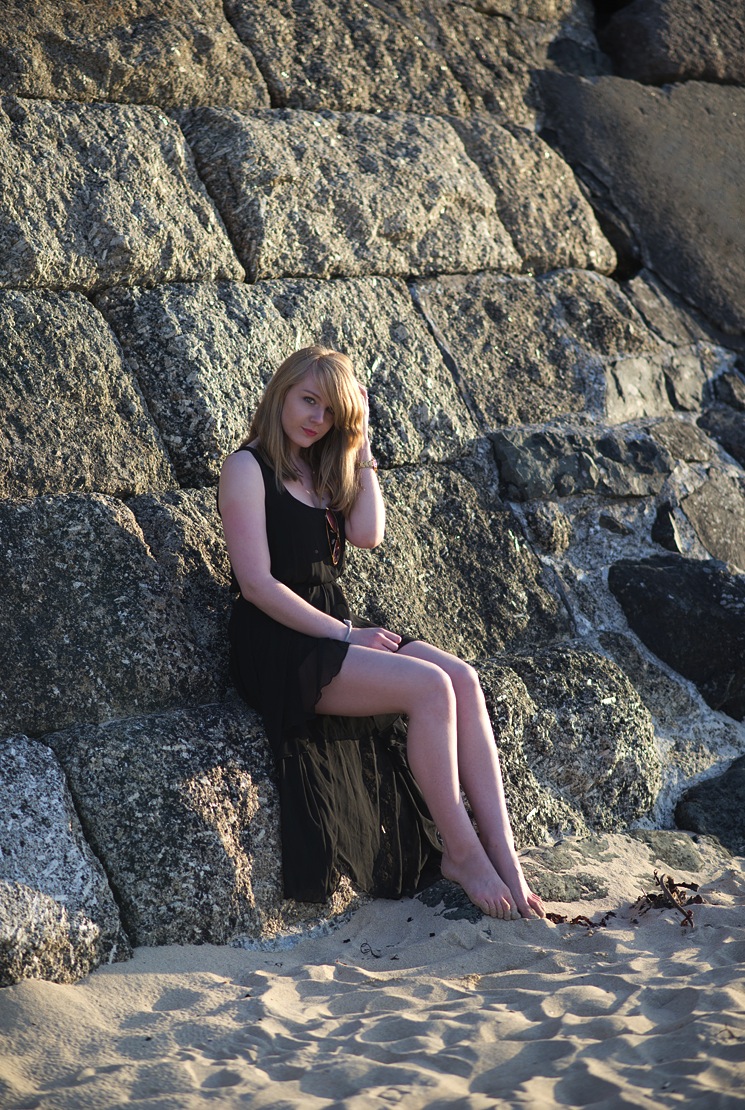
(333, 535)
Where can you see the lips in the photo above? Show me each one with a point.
(310, 432)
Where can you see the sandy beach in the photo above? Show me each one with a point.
(408, 1004)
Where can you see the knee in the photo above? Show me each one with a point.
(435, 691)
(465, 679)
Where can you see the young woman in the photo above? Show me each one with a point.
(331, 687)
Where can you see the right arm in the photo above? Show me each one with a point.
(243, 514)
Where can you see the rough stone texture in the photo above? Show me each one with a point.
(593, 740)
(203, 353)
(717, 512)
(692, 615)
(353, 56)
(659, 42)
(165, 52)
(74, 418)
(91, 625)
(682, 439)
(347, 194)
(576, 741)
(729, 389)
(184, 534)
(727, 426)
(101, 194)
(530, 349)
(564, 460)
(551, 223)
(669, 161)
(182, 809)
(58, 918)
(454, 567)
(714, 807)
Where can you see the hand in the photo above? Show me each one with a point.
(378, 638)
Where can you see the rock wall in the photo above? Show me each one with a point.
(532, 252)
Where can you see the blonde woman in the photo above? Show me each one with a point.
(331, 687)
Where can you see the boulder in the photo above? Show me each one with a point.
(183, 811)
(726, 425)
(659, 42)
(591, 740)
(682, 440)
(668, 160)
(165, 52)
(203, 354)
(528, 349)
(92, 626)
(564, 460)
(347, 57)
(58, 917)
(347, 194)
(716, 509)
(539, 202)
(691, 614)
(75, 419)
(100, 195)
(714, 807)
(454, 568)
(729, 389)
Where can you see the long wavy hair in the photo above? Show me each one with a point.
(332, 459)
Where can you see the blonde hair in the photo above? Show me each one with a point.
(332, 459)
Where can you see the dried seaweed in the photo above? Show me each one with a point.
(671, 895)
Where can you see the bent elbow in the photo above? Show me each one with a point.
(367, 540)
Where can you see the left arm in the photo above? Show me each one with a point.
(365, 524)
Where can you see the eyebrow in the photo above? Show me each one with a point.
(317, 396)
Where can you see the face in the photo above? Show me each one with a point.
(306, 413)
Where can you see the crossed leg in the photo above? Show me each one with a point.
(449, 741)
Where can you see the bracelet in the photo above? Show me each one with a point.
(348, 623)
(371, 464)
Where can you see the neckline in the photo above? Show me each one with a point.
(255, 451)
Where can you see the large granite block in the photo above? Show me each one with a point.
(74, 420)
(528, 349)
(669, 161)
(183, 810)
(58, 917)
(92, 626)
(551, 223)
(347, 194)
(99, 195)
(351, 56)
(203, 354)
(454, 567)
(165, 52)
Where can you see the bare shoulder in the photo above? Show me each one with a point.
(240, 478)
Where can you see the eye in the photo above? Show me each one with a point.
(310, 400)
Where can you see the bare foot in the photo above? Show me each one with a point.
(510, 871)
(481, 883)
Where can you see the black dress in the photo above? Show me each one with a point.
(349, 803)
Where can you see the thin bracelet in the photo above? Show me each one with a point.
(371, 464)
(348, 623)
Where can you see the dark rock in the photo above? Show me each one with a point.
(729, 388)
(166, 52)
(673, 850)
(682, 440)
(75, 421)
(454, 567)
(58, 918)
(665, 313)
(717, 512)
(714, 807)
(665, 528)
(203, 354)
(549, 527)
(670, 160)
(99, 195)
(347, 194)
(551, 223)
(527, 349)
(182, 809)
(692, 615)
(92, 627)
(348, 57)
(662, 41)
(727, 426)
(565, 460)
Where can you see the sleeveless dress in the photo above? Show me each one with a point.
(349, 803)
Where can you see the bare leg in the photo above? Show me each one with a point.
(381, 682)
(480, 773)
